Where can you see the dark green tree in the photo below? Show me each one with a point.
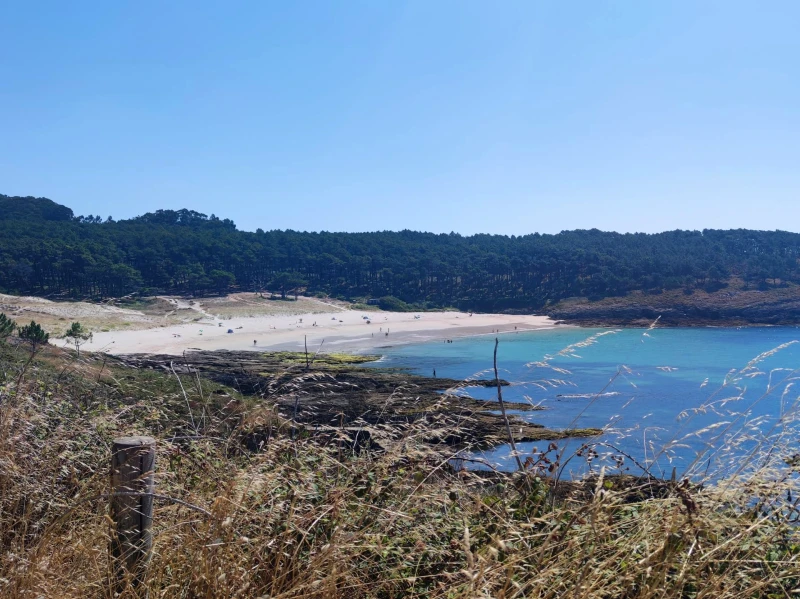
(7, 327)
(44, 250)
(287, 282)
(223, 280)
(34, 335)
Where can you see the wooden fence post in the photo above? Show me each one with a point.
(132, 464)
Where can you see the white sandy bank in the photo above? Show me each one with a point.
(341, 329)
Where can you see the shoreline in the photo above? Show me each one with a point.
(345, 330)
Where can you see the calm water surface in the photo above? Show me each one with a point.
(644, 387)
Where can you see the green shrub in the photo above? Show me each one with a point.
(394, 304)
(362, 306)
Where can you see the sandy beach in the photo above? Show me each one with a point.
(248, 321)
(341, 330)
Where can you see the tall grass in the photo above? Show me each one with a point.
(310, 517)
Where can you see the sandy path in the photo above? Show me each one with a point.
(341, 329)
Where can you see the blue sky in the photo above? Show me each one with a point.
(498, 117)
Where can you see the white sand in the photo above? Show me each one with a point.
(342, 330)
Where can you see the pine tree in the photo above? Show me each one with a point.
(77, 335)
(34, 335)
(7, 327)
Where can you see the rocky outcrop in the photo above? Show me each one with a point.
(366, 406)
(722, 308)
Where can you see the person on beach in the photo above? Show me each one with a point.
(254, 342)
(434, 372)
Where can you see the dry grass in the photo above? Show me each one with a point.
(56, 317)
(307, 518)
(146, 313)
(248, 304)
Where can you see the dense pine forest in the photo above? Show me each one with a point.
(46, 250)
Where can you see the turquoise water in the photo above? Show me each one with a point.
(655, 392)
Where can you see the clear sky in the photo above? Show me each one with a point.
(498, 117)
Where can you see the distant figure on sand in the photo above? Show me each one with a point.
(254, 342)
(434, 372)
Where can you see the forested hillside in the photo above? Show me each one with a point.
(45, 250)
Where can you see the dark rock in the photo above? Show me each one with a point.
(361, 406)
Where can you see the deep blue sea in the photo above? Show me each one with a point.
(701, 400)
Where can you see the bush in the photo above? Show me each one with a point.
(362, 306)
(394, 304)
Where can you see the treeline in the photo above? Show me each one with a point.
(46, 250)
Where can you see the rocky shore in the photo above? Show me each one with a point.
(336, 394)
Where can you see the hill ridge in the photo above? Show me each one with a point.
(45, 250)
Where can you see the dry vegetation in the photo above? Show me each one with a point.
(306, 517)
(55, 317)
(248, 304)
(147, 312)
